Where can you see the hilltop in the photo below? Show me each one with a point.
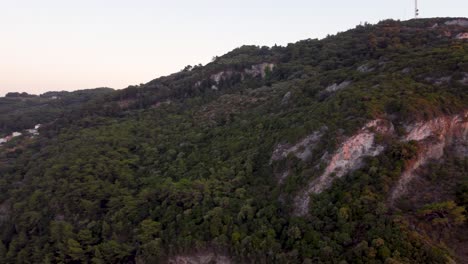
(349, 149)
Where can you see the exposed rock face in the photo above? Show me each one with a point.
(462, 36)
(365, 68)
(257, 70)
(223, 75)
(200, 258)
(406, 70)
(434, 136)
(438, 127)
(439, 81)
(159, 104)
(336, 87)
(286, 98)
(302, 150)
(347, 158)
(457, 22)
(464, 80)
(282, 176)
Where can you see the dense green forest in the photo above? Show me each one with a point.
(183, 164)
(22, 111)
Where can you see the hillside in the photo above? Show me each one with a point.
(349, 149)
(23, 111)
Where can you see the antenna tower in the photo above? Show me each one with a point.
(416, 10)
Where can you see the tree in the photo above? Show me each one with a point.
(148, 230)
(443, 214)
(372, 42)
(74, 249)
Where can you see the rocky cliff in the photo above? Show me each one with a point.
(433, 136)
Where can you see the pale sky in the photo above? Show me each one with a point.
(50, 45)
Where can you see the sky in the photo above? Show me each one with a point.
(54, 45)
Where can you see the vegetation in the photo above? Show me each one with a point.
(23, 111)
(175, 166)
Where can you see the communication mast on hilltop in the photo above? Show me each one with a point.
(416, 10)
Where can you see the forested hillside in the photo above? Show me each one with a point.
(21, 111)
(349, 149)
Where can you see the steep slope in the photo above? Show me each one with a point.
(23, 111)
(296, 154)
(434, 136)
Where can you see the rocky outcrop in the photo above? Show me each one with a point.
(457, 22)
(439, 81)
(302, 150)
(200, 258)
(438, 127)
(365, 68)
(347, 158)
(406, 70)
(464, 80)
(462, 35)
(223, 75)
(257, 70)
(336, 87)
(286, 98)
(260, 69)
(433, 137)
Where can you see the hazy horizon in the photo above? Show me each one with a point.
(55, 45)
